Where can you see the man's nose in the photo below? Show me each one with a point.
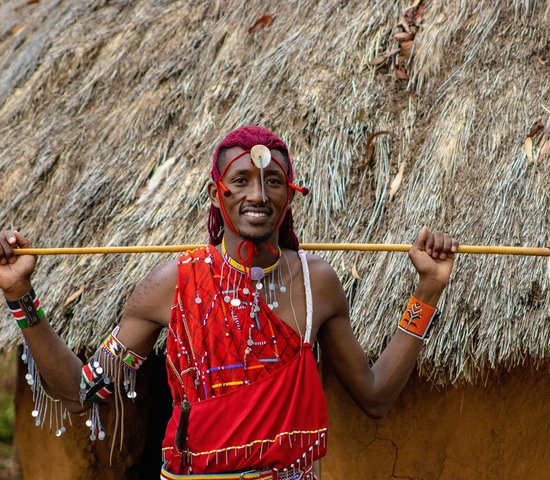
(255, 194)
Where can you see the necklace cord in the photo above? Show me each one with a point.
(290, 296)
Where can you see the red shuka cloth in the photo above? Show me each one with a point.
(252, 406)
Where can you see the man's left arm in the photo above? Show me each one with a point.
(375, 388)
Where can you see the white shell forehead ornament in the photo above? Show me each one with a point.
(261, 157)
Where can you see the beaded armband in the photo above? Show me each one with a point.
(112, 363)
(26, 310)
(417, 318)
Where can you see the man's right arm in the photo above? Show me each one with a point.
(147, 310)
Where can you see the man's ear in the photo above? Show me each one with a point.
(213, 193)
(290, 198)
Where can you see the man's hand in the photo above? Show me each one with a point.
(15, 271)
(432, 254)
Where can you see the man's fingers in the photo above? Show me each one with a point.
(430, 243)
(10, 237)
(444, 246)
(438, 244)
(20, 240)
(9, 240)
(447, 243)
(421, 238)
(454, 245)
(6, 252)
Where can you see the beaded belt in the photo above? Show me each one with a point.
(269, 474)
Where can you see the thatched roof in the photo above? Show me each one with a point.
(109, 112)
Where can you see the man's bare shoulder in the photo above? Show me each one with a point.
(152, 298)
(321, 272)
(167, 271)
(328, 294)
(163, 276)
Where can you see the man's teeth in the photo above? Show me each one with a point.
(255, 214)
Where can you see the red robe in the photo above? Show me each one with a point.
(255, 393)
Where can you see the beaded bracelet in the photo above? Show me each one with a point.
(26, 310)
(417, 318)
(111, 363)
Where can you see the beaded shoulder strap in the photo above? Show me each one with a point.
(309, 300)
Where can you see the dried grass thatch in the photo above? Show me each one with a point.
(109, 112)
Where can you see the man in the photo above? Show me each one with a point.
(247, 308)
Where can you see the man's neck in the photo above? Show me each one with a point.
(265, 257)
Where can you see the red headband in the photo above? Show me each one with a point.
(303, 190)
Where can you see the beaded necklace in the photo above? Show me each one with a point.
(270, 277)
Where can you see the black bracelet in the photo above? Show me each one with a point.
(27, 310)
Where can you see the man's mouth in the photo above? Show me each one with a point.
(255, 214)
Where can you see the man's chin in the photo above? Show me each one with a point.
(255, 237)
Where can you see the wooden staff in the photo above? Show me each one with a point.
(360, 247)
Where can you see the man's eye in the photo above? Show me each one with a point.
(239, 180)
(274, 181)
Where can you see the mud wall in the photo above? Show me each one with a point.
(500, 430)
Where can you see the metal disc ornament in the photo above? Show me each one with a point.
(257, 273)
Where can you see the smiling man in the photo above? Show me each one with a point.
(247, 308)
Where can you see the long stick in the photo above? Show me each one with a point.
(361, 247)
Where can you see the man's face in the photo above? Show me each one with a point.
(254, 219)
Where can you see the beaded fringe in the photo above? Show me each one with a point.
(50, 412)
(111, 366)
(47, 410)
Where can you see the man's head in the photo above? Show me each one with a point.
(246, 137)
(233, 154)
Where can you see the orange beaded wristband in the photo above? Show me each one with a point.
(417, 318)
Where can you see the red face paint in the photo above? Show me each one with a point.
(246, 138)
(261, 195)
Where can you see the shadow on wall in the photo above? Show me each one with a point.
(75, 456)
